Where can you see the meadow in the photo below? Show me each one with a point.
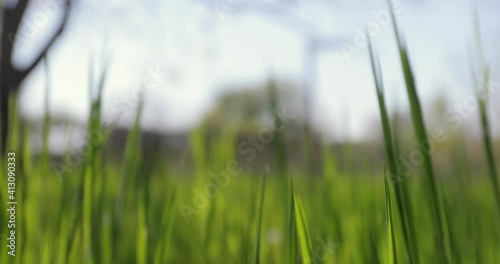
(137, 210)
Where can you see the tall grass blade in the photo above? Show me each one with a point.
(421, 134)
(395, 174)
(142, 231)
(279, 145)
(106, 238)
(455, 251)
(161, 253)
(91, 169)
(487, 142)
(391, 241)
(482, 94)
(291, 232)
(45, 156)
(304, 240)
(259, 218)
(130, 163)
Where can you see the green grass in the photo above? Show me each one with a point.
(391, 241)
(482, 89)
(396, 175)
(259, 219)
(344, 209)
(435, 201)
(131, 210)
(303, 238)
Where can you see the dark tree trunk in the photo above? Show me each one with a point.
(4, 116)
(10, 76)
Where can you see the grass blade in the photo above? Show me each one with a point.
(396, 175)
(482, 92)
(291, 236)
(304, 241)
(259, 218)
(487, 142)
(422, 139)
(166, 229)
(91, 170)
(280, 152)
(391, 241)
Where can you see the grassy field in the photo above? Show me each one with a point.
(87, 208)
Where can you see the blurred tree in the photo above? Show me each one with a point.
(248, 108)
(10, 75)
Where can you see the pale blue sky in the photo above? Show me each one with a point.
(202, 52)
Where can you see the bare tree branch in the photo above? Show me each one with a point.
(20, 74)
(10, 77)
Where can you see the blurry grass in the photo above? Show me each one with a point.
(303, 238)
(391, 241)
(291, 230)
(259, 218)
(280, 152)
(128, 211)
(482, 91)
(395, 173)
(359, 200)
(422, 139)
